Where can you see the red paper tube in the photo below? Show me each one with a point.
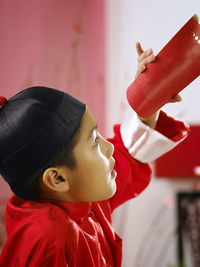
(175, 66)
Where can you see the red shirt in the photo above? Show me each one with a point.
(51, 233)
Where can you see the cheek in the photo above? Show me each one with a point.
(101, 160)
(96, 156)
(92, 163)
(95, 169)
(98, 165)
(93, 177)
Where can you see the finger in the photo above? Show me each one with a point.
(145, 54)
(139, 49)
(147, 60)
(176, 98)
(141, 68)
(142, 65)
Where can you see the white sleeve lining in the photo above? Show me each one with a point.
(144, 143)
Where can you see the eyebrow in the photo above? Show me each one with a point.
(92, 130)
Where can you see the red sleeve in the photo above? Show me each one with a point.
(132, 175)
(171, 128)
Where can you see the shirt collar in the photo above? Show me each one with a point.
(75, 211)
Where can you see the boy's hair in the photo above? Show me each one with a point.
(30, 188)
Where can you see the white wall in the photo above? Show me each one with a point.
(147, 224)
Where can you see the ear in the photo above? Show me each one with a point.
(56, 179)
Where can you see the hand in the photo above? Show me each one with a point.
(144, 58)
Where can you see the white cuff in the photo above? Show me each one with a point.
(144, 143)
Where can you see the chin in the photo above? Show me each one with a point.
(112, 191)
(107, 196)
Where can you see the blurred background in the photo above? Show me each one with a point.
(87, 48)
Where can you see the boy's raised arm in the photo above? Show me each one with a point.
(141, 140)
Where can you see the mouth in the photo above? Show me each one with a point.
(113, 174)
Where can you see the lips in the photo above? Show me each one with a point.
(113, 174)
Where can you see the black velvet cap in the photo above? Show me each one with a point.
(35, 125)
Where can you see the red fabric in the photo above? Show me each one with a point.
(137, 174)
(3, 101)
(171, 128)
(50, 233)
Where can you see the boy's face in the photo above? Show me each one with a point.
(93, 179)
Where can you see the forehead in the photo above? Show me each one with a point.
(88, 122)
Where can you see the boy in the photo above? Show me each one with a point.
(62, 173)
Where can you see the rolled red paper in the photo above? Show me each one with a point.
(175, 66)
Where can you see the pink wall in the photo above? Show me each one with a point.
(59, 44)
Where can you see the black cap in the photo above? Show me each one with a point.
(35, 125)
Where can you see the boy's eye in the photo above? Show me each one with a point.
(96, 141)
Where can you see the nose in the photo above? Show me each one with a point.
(109, 149)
